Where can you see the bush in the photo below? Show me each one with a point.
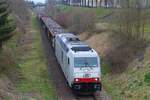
(63, 19)
(120, 56)
(147, 78)
(119, 59)
(129, 24)
(8, 65)
(77, 21)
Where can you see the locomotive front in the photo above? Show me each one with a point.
(87, 72)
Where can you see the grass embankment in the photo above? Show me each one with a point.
(98, 11)
(132, 84)
(33, 66)
(147, 31)
(9, 71)
(34, 82)
(147, 28)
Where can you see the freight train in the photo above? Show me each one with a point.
(79, 62)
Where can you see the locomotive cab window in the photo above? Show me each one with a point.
(85, 62)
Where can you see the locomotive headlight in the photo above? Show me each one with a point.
(76, 80)
(96, 79)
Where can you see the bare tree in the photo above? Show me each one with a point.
(130, 21)
(50, 9)
(20, 13)
(100, 3)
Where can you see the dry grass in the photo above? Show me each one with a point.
(36, 83)
(100, 42)
(130, 84)
(22, 61)
(5, 85)
(9, 72)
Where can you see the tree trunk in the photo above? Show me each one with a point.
(0, 44)
(96, 3)
(69, 2)
(82, 3)
(100, 3)
(106, 1)
(92, 3)
(85, 3)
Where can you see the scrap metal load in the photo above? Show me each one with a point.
(50, 26)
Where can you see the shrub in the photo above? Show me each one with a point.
(6, 24)
(8, 65)
(63, 19)
(129, 24)
(119, 57)
(76, 21)
(147, 78)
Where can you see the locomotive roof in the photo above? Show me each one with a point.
(70, 41)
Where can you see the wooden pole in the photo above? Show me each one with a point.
(100, 3)
(69, 2)
(106, 1)
(88, 3)
(96, 3)
(85, 3)
(0, 44)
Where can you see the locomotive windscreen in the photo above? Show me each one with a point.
(85, 62)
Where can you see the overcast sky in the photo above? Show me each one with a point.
(39, 1)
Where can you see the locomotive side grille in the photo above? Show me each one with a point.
(84, 48)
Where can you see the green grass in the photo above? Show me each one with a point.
(133, 84)
(102, 11)
(34, 70)
(64, 8)
(29, 62)
(147, 77)
(147, 28)
(98, 11)
(105, 67)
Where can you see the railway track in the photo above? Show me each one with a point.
(62, 91)
(92, 97)
(95, 96)
(56, 73)
(56, 76)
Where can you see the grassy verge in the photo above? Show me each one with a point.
(147, 31)
(129, 85)
(23, 62)
(133, 84)
(33, 68)
(147, 28)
